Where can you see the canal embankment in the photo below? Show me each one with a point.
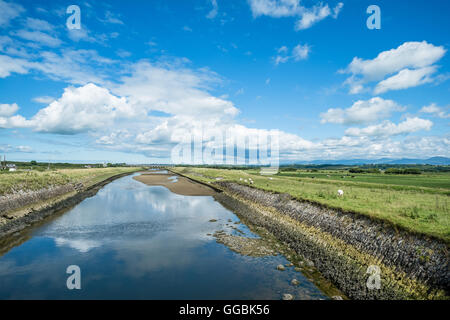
(350, 250)
(343, 247)
(25, 208)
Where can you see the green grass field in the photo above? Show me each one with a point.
(11, 182)
(418, 203)
(427, 180)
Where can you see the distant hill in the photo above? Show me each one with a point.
(432, 161)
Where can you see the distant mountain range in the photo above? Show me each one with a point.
(432, 161)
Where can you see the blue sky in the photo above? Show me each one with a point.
(140, 76)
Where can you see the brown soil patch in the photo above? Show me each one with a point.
(183, 186)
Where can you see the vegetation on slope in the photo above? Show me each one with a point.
(11, 182)
(418, 203)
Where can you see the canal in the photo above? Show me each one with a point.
(134, 241)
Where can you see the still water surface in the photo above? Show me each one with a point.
(134, 241)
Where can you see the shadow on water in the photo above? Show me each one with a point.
(132, 241)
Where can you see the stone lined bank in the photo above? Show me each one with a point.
(33, 207)
(343, 245)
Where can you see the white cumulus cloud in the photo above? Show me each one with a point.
(9, 120)
(362, 111)
(173, 89)
(312, 16)
(406, 78)
(410, 60)
(7, 110)
(79, 110)
(299, 52)
(387, 128)
(435, 110)
(307, 17)
(16, 121)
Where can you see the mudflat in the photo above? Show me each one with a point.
(180, 185)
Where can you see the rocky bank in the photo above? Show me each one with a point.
(23, 209)
(343, 245)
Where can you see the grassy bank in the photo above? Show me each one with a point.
(419, 204)
(11, 182)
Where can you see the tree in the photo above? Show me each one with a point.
(33, 162)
